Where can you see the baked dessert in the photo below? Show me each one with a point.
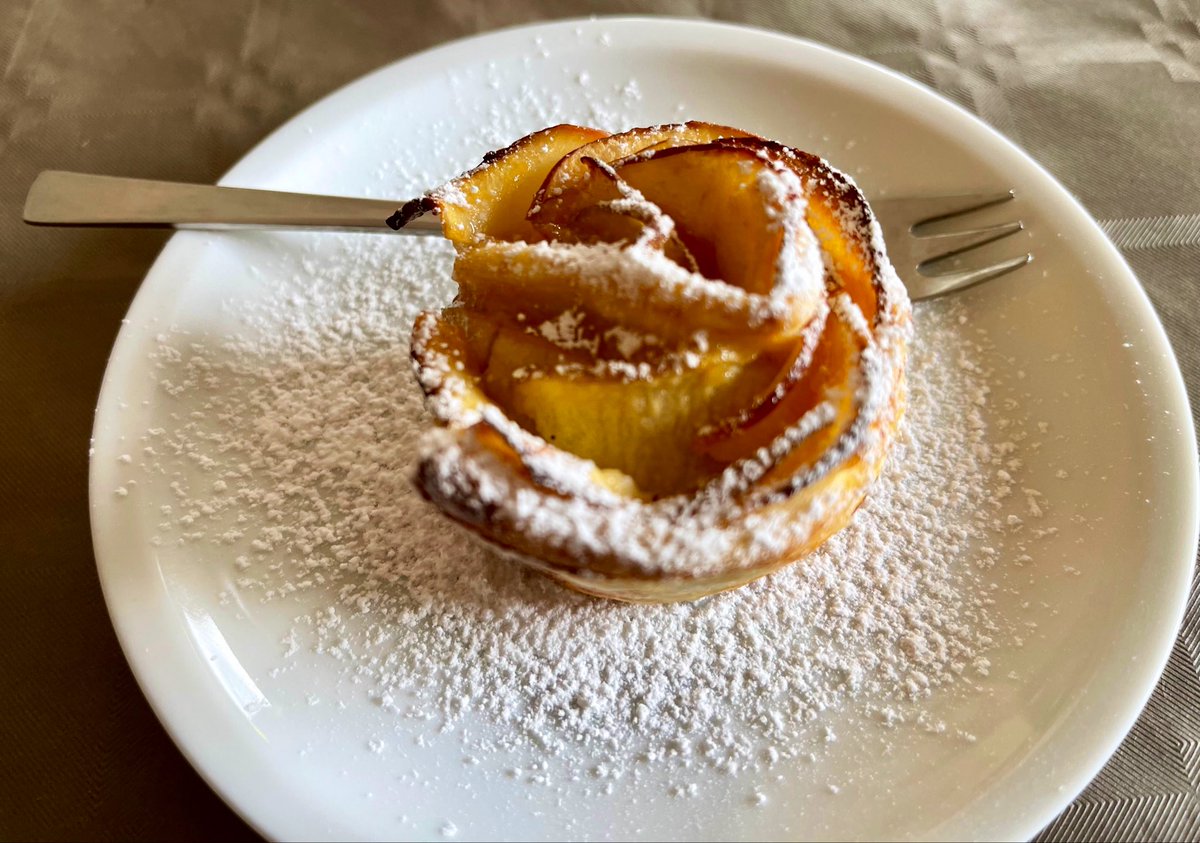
(675, 362)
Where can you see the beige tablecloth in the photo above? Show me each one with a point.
(1105, 94)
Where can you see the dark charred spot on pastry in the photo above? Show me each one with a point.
(410, 210)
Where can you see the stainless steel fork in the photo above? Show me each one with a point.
(933, 258)
(930, 261)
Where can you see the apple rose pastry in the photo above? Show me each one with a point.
(675, 362)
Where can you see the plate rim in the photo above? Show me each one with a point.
(273, 823)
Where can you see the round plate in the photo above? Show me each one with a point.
(1075, 328)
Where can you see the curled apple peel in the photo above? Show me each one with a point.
(675, 363)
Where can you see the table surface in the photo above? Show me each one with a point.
(1106, 95)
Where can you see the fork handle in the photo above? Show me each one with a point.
(80, 199)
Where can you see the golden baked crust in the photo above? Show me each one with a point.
(676, 362)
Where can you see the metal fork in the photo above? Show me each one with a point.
(924, 256)
(932, 260)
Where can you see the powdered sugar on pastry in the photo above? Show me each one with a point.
(295, 471)
(768, 498)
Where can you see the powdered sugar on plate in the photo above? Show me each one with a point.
(292, 462)
(348, 735)
(297, 466)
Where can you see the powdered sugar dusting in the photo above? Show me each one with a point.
(801, 263)
(334, 598)
(305, 441)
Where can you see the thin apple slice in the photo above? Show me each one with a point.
(607, 210)
(597, 214)
(730, 208)
(641, 427)
(797, 361)
(517, 354)
(825, 378)
(604, 224)
(478, 331)
(572, 171)
(491, 201)
(448, 364)
(639, 289)
(838, 214)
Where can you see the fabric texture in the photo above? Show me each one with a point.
(1104, 93)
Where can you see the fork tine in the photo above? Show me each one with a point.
(923, 210)
(924, 249)
(949, 282)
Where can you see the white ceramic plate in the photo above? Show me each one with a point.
(208, 671)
